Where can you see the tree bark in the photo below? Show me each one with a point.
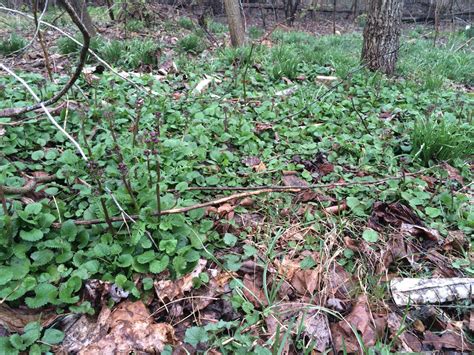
(382, 34)
(80, 6)
(236, 24)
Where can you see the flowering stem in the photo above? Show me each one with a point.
(122, 165)
(93, 172)
(158, 179)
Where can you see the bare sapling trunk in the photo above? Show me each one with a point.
(235, 21)
(110, 9)
(291, 7)
(80, 6)
(382, 34)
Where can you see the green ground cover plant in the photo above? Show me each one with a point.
(155, 152)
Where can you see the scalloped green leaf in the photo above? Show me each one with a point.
(32, 235)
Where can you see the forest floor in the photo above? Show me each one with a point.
(295, 189)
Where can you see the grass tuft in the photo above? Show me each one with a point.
(113, 51)
(141, 52)
(186, 23)
(192, 44)
(135, 26)
(284, 63)
(441, 139)
(12, 44)
(67, 46)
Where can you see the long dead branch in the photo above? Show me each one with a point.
(255, 191)
(12, 112)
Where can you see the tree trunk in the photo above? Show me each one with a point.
(236, 24)
(80, 6)
(381, 35)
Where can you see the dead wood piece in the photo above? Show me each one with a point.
(431, 291)
(29, 186)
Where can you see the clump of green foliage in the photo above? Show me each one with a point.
(13, 44)
(135, 25)
(246, 55)
(255, 32)
(67, 45)
(131, 53)
(285, 62)
(441, 139)
(192, 43)
(435, 66)
(113, 51)
(141, 52)
(34, 338)
(186, 23)
(217, 27)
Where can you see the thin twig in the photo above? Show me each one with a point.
(40, 36)
(362, 118)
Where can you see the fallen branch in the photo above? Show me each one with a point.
(15, 111)
(181, 209)
(29, 186)
(315, 186)
(431, 291)
(258, 190)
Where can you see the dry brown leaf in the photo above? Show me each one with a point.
(325, 168)
(170, 290)
(260, 167)
(253, 290)
(453, 173)
(129, 328)
(292, 180)
(448, 340)
(287, 267)
(15, 319)
(409, 342)
(358, 320)
(393, 214)
(316, 327)
(305, 281)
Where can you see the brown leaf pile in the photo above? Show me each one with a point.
(129, 327)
